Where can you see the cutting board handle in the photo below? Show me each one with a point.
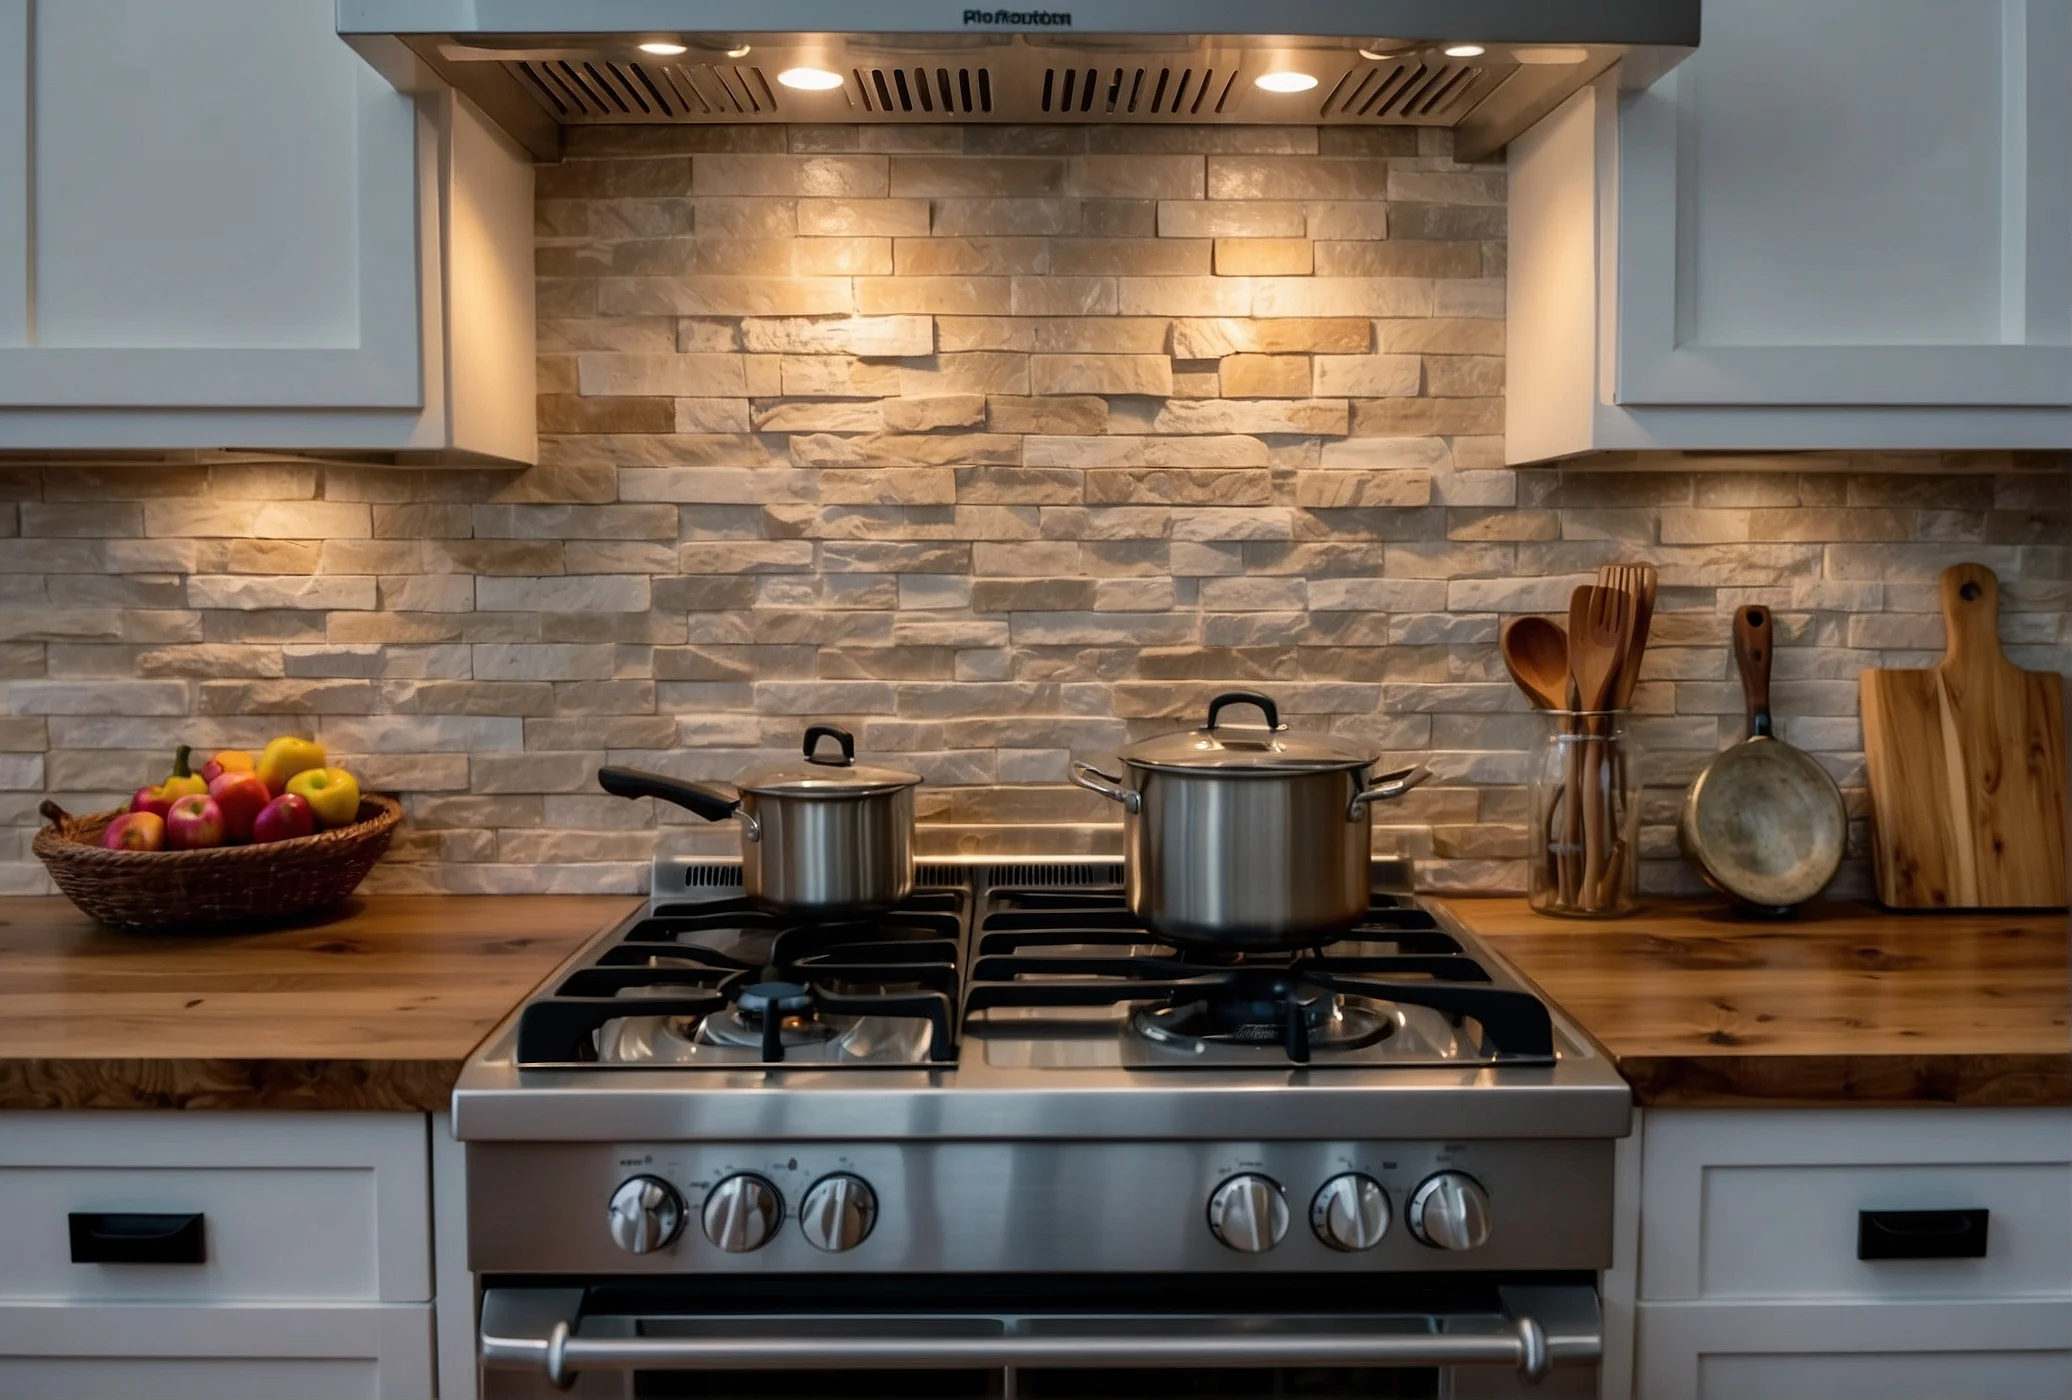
(1971, 615)
(1752, 658)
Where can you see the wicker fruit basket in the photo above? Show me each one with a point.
(216, 887)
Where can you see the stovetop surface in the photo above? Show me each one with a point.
(1002, 1000)
(1027, 976)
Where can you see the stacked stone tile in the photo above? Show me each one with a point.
(1000, 446)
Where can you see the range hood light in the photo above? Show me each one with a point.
(662, 48)
(1383, 53)
(741, 51)
(1465, 51)
(810, 79)
(1285, 81)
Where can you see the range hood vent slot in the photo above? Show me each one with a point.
(924, 92)
(1109, 93)
(1405, 92)
(599, 90)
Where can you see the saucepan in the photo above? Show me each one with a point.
(824, 838)
(1246, 836)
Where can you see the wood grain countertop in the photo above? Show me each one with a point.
(373, 1007)
(1846, 1003)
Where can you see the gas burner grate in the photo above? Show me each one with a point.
(681, 964)
(1057, 949)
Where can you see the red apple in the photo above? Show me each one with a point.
(195, 822)
(241, 796)
(226, 761)
(135, 831)
(283, 819)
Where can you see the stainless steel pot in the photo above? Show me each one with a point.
(826, 838)
(1247, 837)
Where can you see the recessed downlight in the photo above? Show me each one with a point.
(810, 79)
(1465, 51)
(662, 48)
(1286, 81)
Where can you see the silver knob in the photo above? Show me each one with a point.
(838, 1212)
(742, 1212)
(1248, 1213)
(1351, 1212)
(1450, 1211)
(645, 1215)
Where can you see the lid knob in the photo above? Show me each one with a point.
(1244, 697)
(816, 732)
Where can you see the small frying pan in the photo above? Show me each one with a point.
(1764, 823)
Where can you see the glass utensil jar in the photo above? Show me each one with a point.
(1585, 815)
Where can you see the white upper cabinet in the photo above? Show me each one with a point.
(220, 228)
(1840, 224)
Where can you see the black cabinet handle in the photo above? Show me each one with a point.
(1921, 1234)
(105, 1238)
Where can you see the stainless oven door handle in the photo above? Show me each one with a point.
(1520, 1342)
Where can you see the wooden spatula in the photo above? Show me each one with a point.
(1967, 767)
(1600, 630)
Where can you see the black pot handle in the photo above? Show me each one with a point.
(816, 732)
(1244, 697)
(708, 802)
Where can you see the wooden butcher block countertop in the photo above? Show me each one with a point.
(1844, 1004)
(373, 1007)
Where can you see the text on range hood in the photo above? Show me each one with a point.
(1488, 68)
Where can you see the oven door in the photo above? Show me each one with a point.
(1089, 1340)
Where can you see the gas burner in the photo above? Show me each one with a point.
(722, 985)
(1329, 1022)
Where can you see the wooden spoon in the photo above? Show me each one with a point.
(1535, 652)
(1600, 631)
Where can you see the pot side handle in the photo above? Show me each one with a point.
(1386, 788)
(1094, 780)
(713, 803)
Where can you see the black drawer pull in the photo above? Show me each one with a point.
(1921, 1234)
(102, 1238)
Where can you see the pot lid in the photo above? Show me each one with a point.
(827, 777)
(1274, 749)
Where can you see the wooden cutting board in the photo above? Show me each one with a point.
(1967, 768)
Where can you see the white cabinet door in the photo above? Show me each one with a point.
(1852, 202)
(203, 204)
(283, 1352)
(1855, 1351)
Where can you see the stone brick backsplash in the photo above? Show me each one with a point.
(1000, 446)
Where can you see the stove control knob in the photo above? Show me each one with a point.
(646, 1213)
(742, 1212)
(1351, 1212)
(838, 1212)
(1249, 1213)
(1450, 1211)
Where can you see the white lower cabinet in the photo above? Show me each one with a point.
(157, 1255)
(1793, 1255)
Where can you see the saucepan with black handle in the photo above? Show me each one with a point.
(825, 837)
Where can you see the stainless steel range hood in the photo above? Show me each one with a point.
(1489, 68)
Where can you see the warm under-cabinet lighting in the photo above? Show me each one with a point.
(662, 48)
(1286, 81)
(810, 79)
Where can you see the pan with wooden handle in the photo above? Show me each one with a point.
(1764, 823)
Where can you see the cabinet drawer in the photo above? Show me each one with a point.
(302, 1207)
(1770, 1205)
(121, 1352)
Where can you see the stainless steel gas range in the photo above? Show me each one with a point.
(1002, 1142)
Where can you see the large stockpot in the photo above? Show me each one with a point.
(1247, 837)
(825, 838)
